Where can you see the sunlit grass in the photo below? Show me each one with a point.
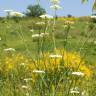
(48, 70)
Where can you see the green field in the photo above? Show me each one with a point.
(79, 37)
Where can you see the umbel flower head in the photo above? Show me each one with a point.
(63, 59)
(28, 79)
(17, 14)
(38, 71)
(0, 38)
(9, 49)
(55, 56)
(54, 1)
(12, 13)
(78, 73)
(40, 35)
(55, 7)
(74, 90)
(40, 23)
(46, 16)
(24, 87)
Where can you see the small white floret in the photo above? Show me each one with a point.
(40, 23)
(0, 38)
(36, 35)
(38, 71)
(24, 87)
(55, 7)
(94, 17)
(9, 49)
(28, 79)
(55, 56)
(74, 90)
(32, 30)
(46, 16)
(44, 34)
(55, 1)
(78, 73)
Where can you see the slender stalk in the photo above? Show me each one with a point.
(53, 34)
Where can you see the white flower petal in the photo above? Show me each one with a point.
(74, 90)
(94, 17)
(46, 16)
(9, 49)
(0, 38)
(17, 14)
(24, 87)
(77, 92)
(55, 56)
(78, 73)
(32, 30)
(38, 71)
(28, 79)
(95, 42)
(55, 1)
(39, 35)
(40, 23)
(12, 13)
(44, 34)
(36, 35)
(55, 7)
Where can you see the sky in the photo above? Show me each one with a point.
(73, 7)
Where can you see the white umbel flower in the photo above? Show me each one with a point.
(44, 34)
(84, 93)
(40, 23)
(36, 35)
(46, 16)
(55, 7)
(93, 17)
(95, 42)
(28, 79)
(12, 13)
(55, 1)
(0, 38)
(17, 14)
(40, 35)
(32, 30)
(55, 56)
(78, 73)
(74, 90)
(38, 71)
(27, 94)
(9, 49)
(22, 64)
(24, 87)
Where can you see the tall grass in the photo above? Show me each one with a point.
(47, 68)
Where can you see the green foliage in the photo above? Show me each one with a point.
(35, 10)
(52, 83)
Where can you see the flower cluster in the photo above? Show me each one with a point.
(55, 5)
(46, 16)
(64, 59)
(12, 13)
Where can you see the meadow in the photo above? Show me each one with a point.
(40, 58)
